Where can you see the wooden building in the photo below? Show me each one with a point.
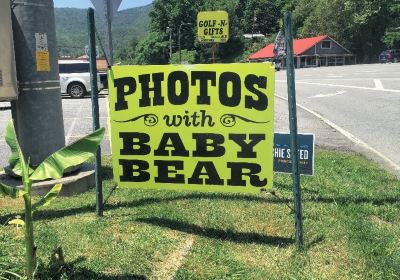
(310, 52)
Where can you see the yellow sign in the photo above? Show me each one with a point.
(42, 61)
(193, 127)
(213, 26)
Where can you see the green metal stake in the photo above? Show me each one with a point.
(298, 216)
(95, 107)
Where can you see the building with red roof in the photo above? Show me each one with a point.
(310, 52)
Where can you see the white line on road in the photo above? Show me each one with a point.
(348, 135)
(378, 84)
(343, 86)
(108, 122)
(72, 126)
(328, 95)
(38, 88)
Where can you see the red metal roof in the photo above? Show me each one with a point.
(299, 47)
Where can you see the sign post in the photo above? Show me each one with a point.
(213, 27)
(298, 215)
(106, 9)
(95, 108)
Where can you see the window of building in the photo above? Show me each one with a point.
(326, 44)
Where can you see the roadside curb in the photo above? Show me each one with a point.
(360, 146)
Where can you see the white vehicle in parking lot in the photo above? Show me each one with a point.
(75, 77)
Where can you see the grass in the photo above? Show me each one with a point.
(351, 220)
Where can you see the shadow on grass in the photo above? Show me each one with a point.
(52, 214)
(58, 269)
(107, 172)
(314, 242)
(226, 235)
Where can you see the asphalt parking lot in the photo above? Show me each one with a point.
(77, 122)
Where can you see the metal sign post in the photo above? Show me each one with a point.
(298, 216)
(95, 108)
(213, 27)
(106, 9)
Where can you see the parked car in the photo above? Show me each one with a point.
(75, 77)
(389, 56)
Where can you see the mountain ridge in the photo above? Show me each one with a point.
(71, 28)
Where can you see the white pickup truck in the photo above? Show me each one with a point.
(75, 78)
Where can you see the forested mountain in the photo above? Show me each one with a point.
(365, 27)
(71, 26)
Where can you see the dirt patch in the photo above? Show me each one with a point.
(167, 269)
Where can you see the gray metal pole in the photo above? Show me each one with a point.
(95, 108)
(298, 216)
(37, 114)
(109, 34)
(179, 43)
(170, 44)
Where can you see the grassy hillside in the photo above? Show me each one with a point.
(72, 28)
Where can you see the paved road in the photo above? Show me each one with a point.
(362, 101)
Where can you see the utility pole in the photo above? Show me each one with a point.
(179, 39)
(37, 114)
(169, 29)
(109, 34)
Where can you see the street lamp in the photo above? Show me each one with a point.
(170, 42)
(179, 39)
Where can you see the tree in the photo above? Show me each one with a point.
(392, 32)
(171, 13)
(127, 54)
(153, 49)
(261, 16)
(188, 57)
(358, 25)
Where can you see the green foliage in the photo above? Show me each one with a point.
(48, 198)
(14, 161)
(365, 27)
(10, 191)
(68, 158)
(392, 39)
(261, 16)
(53, 167)
(358, 25)
(71, 28)
(153, 49)
(172, 13)
(126, 54)
(188, 57)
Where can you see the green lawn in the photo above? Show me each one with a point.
(351, 221)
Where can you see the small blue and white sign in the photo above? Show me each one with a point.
(282, 153)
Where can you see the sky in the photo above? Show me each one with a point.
(126, 4)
